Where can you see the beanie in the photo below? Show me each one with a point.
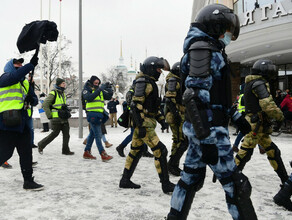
(93, 78)
(59, 81)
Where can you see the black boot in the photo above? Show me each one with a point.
(282, 198)
(173, 166)
(167, 186)
(125, 182)
(30, 184)
(173, 163)
(120, 150)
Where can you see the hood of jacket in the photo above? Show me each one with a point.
(9, 67)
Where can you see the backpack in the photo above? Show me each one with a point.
(125, 120)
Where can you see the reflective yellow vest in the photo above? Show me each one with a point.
(12, 97)
(26, 86)
(59, 101)
(97, 105)
(240, 108)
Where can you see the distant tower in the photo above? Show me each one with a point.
(121, 67)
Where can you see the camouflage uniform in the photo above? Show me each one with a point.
(179, 141)
(261, 130)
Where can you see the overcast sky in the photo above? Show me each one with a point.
(158, 25)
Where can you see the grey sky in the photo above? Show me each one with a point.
(158, 25)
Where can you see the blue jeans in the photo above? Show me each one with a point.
(128, 139)
(95, 133)
(238, 139)
(103, 138)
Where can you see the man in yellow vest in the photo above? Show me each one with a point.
(94, 96)
(57, 111)
(14, 131)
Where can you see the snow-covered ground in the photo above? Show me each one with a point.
(88, 189)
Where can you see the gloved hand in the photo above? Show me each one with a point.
(240, 121)
(29, 99)
(209, 153)
(243, 125)
(163, 125)
(278, 125)
(34, 60)
(141, 132)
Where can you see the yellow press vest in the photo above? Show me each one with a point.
(12, 97)
(59, 101)
(240, 108)
(96, 105)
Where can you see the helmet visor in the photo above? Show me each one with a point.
(233, 25)
(163, 64)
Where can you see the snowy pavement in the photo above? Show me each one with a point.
(88, 189)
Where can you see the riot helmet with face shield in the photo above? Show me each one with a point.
(175, 69)
(217, 19)
(153, 66)
(265, 68)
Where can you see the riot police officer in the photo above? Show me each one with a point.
(207, 99)
(174, 115)
(260, 109)
(145, 112)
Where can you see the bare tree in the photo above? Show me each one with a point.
(67, 70)
(116, 77)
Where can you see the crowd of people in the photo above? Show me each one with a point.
(198, 108)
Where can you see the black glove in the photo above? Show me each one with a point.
(240, 121)
(141, 132)
(209, 153)
(278, 125)
(29, 99)
(34, 60)
(243, 125)
(163, 125)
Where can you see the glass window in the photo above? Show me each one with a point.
(281, 70)
(289, 69)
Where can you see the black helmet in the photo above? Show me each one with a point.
(218, 19)
(265, 68)
(151, 64)
(175, 69)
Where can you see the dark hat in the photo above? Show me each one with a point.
(93, 78)
(59, 81)
(20, 60)
(42, 95)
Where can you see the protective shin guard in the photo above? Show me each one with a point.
(281, 170)
(242, 192)
(167, 186)
(128, 173)
(190, 192)
(245, 159)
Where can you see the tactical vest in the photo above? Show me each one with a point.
(97, 105)
(59, 101)
(152, 102)
(252, 104)
(12, 97)
(220, 94)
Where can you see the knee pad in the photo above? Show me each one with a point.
(196, 186)
(160, 146)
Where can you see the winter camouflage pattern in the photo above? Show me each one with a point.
(224, 168)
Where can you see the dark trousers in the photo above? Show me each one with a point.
(57, 126)
(46, 126)
(22, 142)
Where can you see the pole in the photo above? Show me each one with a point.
(60, 39)
(48, 55)
(80, 72)
(41, 52)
